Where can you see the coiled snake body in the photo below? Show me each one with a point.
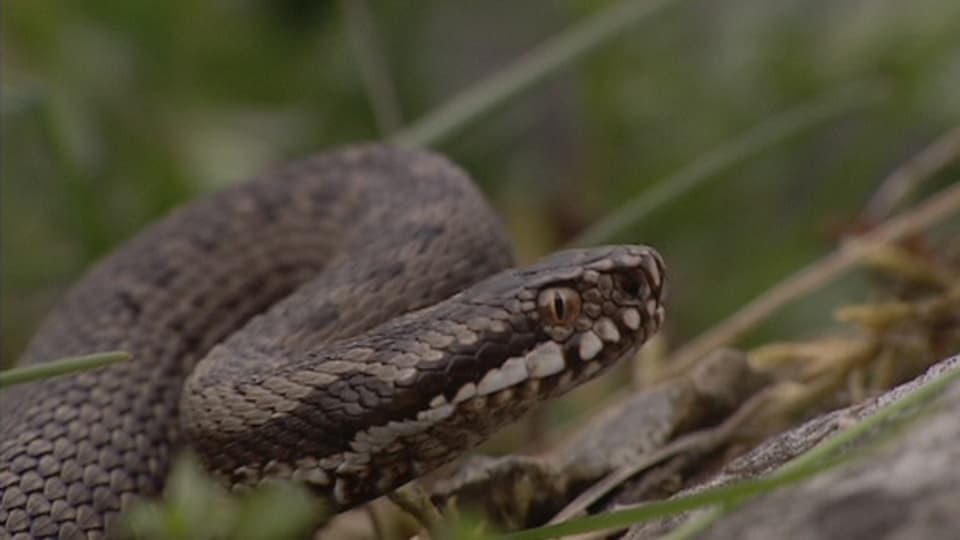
(340, 342)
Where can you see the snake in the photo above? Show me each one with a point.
(348, 321)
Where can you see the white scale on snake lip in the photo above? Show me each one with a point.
(545, 360)
(513, 371)
(607, 330)
(631, 318)
(590, 345)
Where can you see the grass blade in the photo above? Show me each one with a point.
(823, 456)
(557, 53)
(63, 366)
(768, 133)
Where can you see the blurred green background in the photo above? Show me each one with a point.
(114, 111)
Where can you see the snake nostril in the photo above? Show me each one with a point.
(630, 284)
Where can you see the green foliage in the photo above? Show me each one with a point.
(836, 450)
(195, 507)
(464, 527)
(62, 366)
(113, 112)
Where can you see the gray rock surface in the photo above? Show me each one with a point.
(907, 487)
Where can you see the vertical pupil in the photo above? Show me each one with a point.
(558, 306)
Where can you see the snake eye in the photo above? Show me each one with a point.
(559, 305)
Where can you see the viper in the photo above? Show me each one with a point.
(349, 321)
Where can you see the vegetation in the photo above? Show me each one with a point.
(743, 138)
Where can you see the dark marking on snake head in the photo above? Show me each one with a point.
(387, 272)
(129, 302)
(165, 276)
(323, 316)
(426, 233)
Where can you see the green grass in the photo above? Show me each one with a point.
(740, 138)
(63, 366)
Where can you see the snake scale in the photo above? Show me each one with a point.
(349, 321)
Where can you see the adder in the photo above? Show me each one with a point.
(349, 321)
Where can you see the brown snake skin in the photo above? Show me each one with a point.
(338, 379)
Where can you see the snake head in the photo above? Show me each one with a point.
(549, 326)
(591, 307)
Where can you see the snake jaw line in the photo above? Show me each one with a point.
(545, 360)
(467, 391)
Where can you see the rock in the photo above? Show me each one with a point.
(906, 487)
